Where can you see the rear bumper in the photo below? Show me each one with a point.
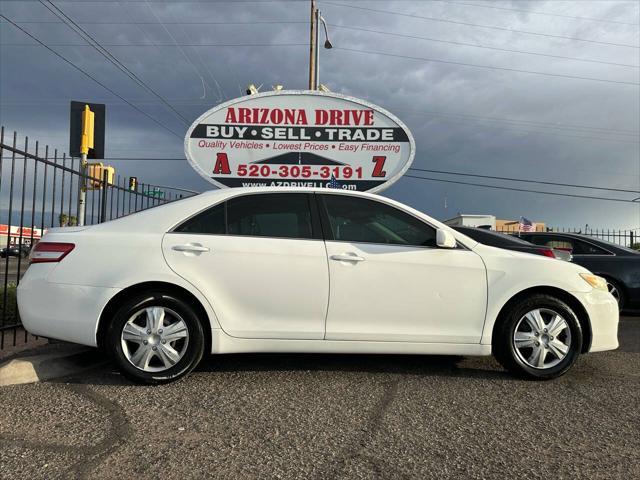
(61, 311)
(603, 313)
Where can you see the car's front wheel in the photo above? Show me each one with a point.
(616, 291)
(538, 337)
(155, 338)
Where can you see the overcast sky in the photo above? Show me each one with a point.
(465, 118)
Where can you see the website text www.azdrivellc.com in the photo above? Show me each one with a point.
(310, 184)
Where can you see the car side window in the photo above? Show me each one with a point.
(585, 248)
(561, 244)
(282, 215)
(210, 221)
(354, 219)
(552, 242)
(575, 246)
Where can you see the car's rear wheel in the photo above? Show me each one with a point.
(155, 338)
(538, 337)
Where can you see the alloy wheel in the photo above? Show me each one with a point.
(542, 338)
(154, 339)
(613, 290)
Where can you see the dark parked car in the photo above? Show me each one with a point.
(501, 240)
(15, 251)
(620, 266)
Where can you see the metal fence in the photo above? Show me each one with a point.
(625, 238)
(40, 189)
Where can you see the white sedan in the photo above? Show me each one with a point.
(306, 270)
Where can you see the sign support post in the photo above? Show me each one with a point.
(85, 144)
(103, 199)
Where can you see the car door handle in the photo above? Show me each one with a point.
(189, 247)
(347, 257)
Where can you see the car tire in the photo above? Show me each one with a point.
(538, 338)
(155, 338)
(615, 290)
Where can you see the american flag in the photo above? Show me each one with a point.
(333, 183)
(526, 225)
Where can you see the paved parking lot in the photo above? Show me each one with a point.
(325, 417)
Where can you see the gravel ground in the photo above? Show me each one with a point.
(333, 416)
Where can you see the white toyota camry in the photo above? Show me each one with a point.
(306, 270)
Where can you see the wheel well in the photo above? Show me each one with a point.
(573, 302)
(621, 286)
(112, 307)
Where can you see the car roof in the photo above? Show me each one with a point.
(165, 216)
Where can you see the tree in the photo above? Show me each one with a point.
(63, 218)
(73, 221)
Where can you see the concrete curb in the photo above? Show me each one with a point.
(48, 364)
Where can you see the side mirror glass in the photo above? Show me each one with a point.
(445, 239)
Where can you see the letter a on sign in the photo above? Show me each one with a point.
(222, 164)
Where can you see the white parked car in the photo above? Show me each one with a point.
(306, 270)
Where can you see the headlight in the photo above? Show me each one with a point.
(595, 281)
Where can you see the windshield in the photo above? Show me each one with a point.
(490, 237)
(619, 247)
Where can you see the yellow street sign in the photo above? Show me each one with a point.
(88, 118)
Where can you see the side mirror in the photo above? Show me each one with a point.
(445, 239)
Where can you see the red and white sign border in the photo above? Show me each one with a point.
(364, 103)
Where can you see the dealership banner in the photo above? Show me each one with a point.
(300, 138)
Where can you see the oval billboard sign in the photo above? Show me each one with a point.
(300, 138)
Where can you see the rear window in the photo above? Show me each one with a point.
(286, 215)
(277, 215)
(211, 222)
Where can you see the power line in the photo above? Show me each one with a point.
(93, 78)
(177, 1)
(475, 45)
(489, 67)
(541, 192)
(491, 177)
(541, 132)
(184, 54)
(493, 27)
(511, 179)
(554, 125)
(464, 116)
(533, 12)
(92, 22)
(105, 53)
(162, 45)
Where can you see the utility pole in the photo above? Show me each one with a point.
(313, 51)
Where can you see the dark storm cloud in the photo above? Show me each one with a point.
(456, 112)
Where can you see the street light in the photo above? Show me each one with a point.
(327, 45)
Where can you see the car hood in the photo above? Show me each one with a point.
(531, 260)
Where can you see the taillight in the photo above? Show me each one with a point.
(45, 252)
(547, 252)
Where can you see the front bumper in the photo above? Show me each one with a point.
(60, 311)
(603, 313)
